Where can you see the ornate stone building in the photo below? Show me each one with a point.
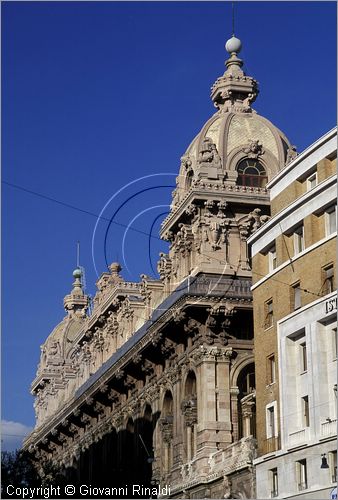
(156, 386)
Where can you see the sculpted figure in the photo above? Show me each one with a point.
(291, 154)
(208, 153)
(54, 349)
(253, 149)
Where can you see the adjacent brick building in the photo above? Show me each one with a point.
(295, 306)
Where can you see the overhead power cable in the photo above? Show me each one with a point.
(78, 209)
(145, 233)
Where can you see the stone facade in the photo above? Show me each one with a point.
(295, 307)
(156, 385)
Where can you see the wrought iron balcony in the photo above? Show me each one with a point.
(271, 444)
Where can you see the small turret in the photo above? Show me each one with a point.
(76, 303)
(234, 91)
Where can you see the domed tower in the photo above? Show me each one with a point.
(59, 361)
(221, 193)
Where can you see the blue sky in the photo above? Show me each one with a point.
(96, 95)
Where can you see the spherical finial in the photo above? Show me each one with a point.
(233, 45)
(77, 273)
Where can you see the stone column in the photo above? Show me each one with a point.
(234, 391)
(224, 403)
(207, 400)
(188, 434)
(244, 260)
(178, 424)
(189, 410)
(166, 427)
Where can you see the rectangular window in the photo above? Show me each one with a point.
(270, 422)
(271, 369)
(273, 479)
(333, 466)
(268, 314)
(331, 220)
(301, 473)
(303, 357)
(272, 258)
(296, 292)
(328, 280)
(298, 240)
(311, 181)
(305, 411)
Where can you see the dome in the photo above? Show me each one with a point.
(236, 137)
(230, 131)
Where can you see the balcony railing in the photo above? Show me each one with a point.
(272, 444)
(328, 428)
(298, 437)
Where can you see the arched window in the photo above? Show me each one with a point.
(246, 402)
(251, 173)
(166, 427)
(189, 409)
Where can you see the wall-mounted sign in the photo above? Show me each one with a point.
(331, 305)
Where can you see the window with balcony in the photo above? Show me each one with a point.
(305, 411)
(333, 466)
(298, 240)
(331, 220)
(271, 430)
(251, 173)
(272, 442)
(273, 480)
(301, 473)
(268, 314)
